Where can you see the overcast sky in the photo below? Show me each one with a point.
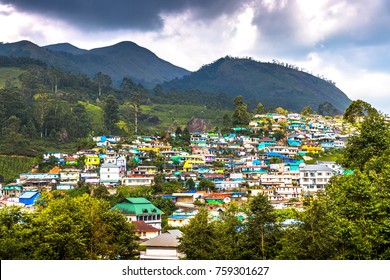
(346, 41)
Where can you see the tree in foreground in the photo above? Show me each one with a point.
(351, 220)
(198, 241)
(69, 229)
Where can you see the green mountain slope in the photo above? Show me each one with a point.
(125, 59)
(268, 83)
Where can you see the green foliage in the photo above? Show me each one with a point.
(241, 116)
(371, 141)
(260, 109)
(350, 220)
(165, 205)
(307, 111)
(327, 109)
(230, 236)
(260, 230)
(190, 184)
(271, 84)
(14, 235)
(111, 113)
(8, 74)
(206, 185)
(198, 242)
(12, 166)
(66, 229)
(358, 108)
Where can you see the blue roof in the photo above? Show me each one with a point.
(273, 154)
(28, 194)
(169, 196)
(180, 217)
(190, 191)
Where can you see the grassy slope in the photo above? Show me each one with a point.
(12, 166)
(9, 73)
(174, 115)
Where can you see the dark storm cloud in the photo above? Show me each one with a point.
(285, 30)
(123, 14)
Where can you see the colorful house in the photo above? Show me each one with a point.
(140, 209)
(29, 197)
(92, 160)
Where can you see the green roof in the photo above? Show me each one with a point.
(137, 206)
(136, 200)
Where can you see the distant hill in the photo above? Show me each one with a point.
(66, 47)
(271, 84)
(125, 59)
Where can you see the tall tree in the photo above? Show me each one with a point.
(111, 113)
(42, 109)
(240, 116)
(260, 109)
(358, 108)
(198, 241)
(260, 230)
(103, 82)
(372, 140)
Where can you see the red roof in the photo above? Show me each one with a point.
(222, 195)
(141, 226)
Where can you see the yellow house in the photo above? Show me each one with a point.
(92, 160)
(311, 149)
(149, 149)
(193, 160)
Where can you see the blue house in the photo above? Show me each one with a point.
(29, 197)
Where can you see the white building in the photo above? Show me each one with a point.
(314, 177)
(109, 174)
(138, 180)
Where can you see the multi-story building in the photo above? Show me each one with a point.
(314, 177)
(109, 174)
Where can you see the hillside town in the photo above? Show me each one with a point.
(216, 170)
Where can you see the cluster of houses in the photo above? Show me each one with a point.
(233, 163)
(238, 166)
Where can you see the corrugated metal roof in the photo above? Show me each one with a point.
(316, 167)
(27, 195)
(168, 239)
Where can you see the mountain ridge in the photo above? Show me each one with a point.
(269, 83)
(65, 47)
(124, 59)
(272, 84)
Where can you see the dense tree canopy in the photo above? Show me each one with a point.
(66, 229)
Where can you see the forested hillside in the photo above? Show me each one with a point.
(272, 84)
(45, 108)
